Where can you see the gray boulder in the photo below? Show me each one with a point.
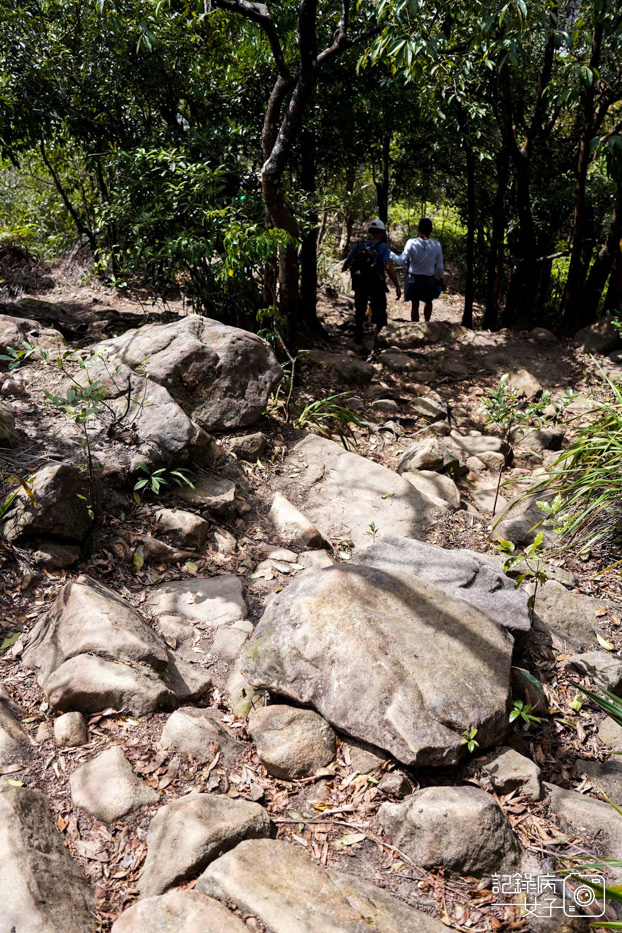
(291, 743)
(410, 336)
(366, 646)
(462, 829)
(249, 446)
(602, 337)
(506, 770)
(289, 893)
(427, 454)
(593, 818)
(41, 888)
(524, 383)
(179, 912)
(605, 776)
(185, 528)
(352, 369)
(604, 669)
(70, 730)
(61, 494)
(462, 574)
(15, 331)
(107, 788)
(293, 527)
(538, 438)
(520, 523)
(8, 434)
(477, 445)
(572, 619)
(210, 493)
(92, 651)
(342, 494)
(198, 732)
(15, 744)
(221, 376)
(212, 600)
(189, 833)
(610, 733)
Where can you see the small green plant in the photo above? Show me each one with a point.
(154, 480)
(372, 531)
(523, 710)
(16, 357)
(327, 416)
(468, 739)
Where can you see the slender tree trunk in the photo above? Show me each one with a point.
(613, 300)
(603, 264)
(496, 255)
(308, 249)
(81, 227)
(469, 289)
(382, 184)
(572, 317)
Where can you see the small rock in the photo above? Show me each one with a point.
(197, 732)
(538, 438)
(386, 405)
(462, 829)
(54, 556)
(352, 369)
(520, 523)
(292, 743)
(475, 465)
(491, 460)
(602, 337)
(15, 744)
(107, 788)
(249, 447)
(70, 730)
(605, 776)
(427, 454)
(428, 408)
(8, 434)
(211, 494)
(315, 560)
(438, 487)
(62, 495)
(543, 335)
(395, 784)
(179, 912)
(224, 542)
(292, 525)
(610, 733)
(151, 549)
(185, 528)
(189, 833)
(604, 669)
(525, 384)
(478, 445)
(489, 500)
(395, 361)
(364, 759)
(506, 771)
(45, 732)
(228, 642)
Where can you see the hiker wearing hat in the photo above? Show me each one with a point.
(369, 263)
(424, 278)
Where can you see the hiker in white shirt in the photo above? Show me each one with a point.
(423, 258)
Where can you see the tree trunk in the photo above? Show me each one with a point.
(469, 288)
(496, 256)
(572, 316)
(382, 184)
(308, 249)
(603, 264)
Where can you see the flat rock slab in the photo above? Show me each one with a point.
(179, 912)
(342, 493)
(462, 829)
(573, 619)
(437, 487)
(366, 646)
(41, 888)
(212, 600)
(596, 818)
(107, 788)
(289, 893)
(462, 574)
(409, 336)
(189, 833)
(211, 493)
(221, 376)
(352, 369)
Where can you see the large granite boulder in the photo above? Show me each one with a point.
(40, 887)
(342, 494)
(92, 651)
(386, 658)
(60, 508)
(221, 376)
(289, 893)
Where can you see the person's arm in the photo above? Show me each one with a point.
(391, 273)
(439, 268)
(346, 264)
(402, 258)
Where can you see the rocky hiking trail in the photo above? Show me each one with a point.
(241, 704)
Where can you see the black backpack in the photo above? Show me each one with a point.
(364, 267)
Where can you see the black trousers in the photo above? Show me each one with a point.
(377, 298)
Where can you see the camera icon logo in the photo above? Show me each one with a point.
(578, 895)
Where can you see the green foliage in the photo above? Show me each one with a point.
(326, 416)
(468, 739)
(523, 711)
(15, 357)
(154, 480)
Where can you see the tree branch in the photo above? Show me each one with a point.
(260, 14)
